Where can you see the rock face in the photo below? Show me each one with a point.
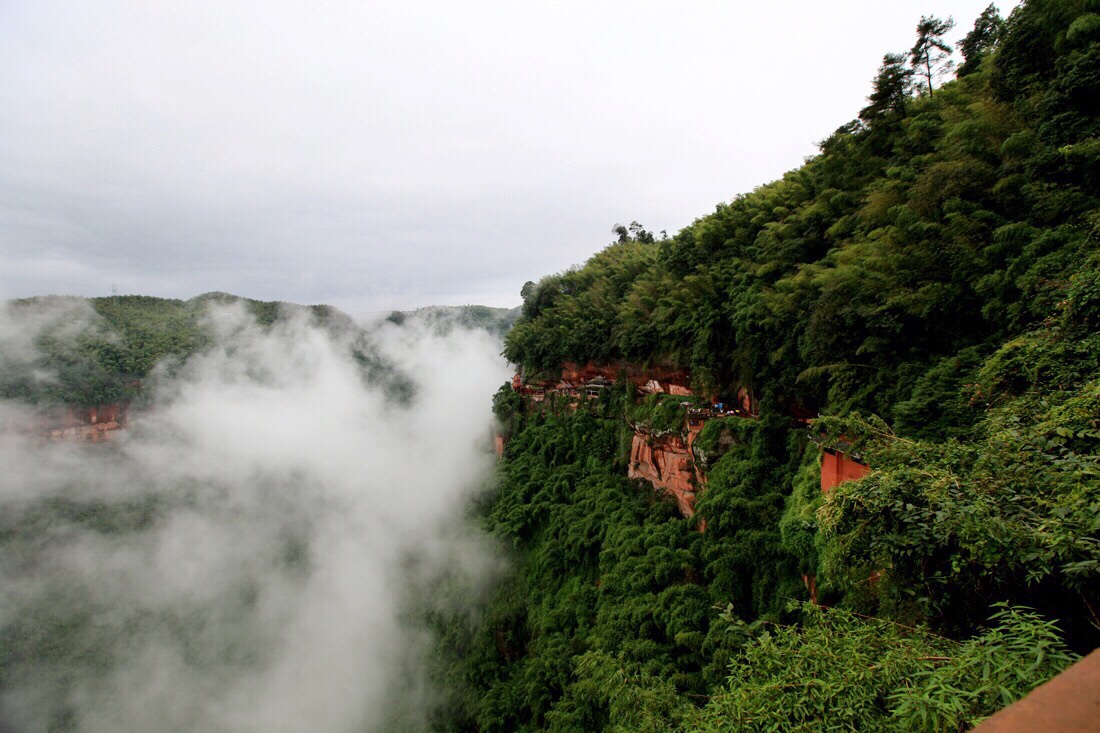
(647, 379)
(89, 425)
(667, 462)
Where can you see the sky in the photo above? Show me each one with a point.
(390, 155)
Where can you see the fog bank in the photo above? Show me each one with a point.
(234, 561)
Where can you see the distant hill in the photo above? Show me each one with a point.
(443, 318)
(94, 351)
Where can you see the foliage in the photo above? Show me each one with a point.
(442, 319)
(889, 91)
(89, 352)
(931, 226)
(659, 414)
(118, 340)
(929, 283)
(840, 672)
(981, 39)
(930, 52)
(600, 566)
(1013, 512)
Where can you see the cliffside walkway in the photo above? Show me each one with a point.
(667, 460)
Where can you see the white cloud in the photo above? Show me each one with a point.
(381, 152)
(235, 561)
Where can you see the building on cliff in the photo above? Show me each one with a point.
(838, 467)
(596, 386)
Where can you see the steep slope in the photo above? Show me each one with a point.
(928, 284)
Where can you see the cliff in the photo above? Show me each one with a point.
(647, 379)
(90, 425)
(666, 459)
(667, 462)
(965, 372)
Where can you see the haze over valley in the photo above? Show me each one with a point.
(246, 554)
(550, 367)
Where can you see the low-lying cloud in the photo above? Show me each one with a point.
(237, 559)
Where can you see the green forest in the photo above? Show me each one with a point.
(94, 351)
(927, 285)
(86, 352)
(923, 293)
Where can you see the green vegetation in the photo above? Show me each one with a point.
(931, 226)
(90, 352)
(1011, 511)
(599, 564)
(659, 413)
(443, 318)
(848, 673)
(95, 351)
(929, 284)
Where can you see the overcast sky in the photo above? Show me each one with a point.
(379, 155)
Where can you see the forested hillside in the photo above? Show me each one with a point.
(90, 351)
(443, 318)
(929, 285)
(94, 351)
(932, 224)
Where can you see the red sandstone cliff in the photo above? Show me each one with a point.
(90, 424)
(667, 462)
(665, 380)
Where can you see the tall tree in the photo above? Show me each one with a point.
(929, 54)
(633, 233)
(981, 39)
(889, 90)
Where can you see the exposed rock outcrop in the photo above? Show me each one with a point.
(667, 462)
(660, 380)
(89, 424)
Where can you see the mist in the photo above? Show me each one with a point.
(245, 555)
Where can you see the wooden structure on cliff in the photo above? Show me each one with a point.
(665, 461)
(595, 387)
(838, 467)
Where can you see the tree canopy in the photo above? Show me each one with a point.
(928, 286)
(929, 54)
